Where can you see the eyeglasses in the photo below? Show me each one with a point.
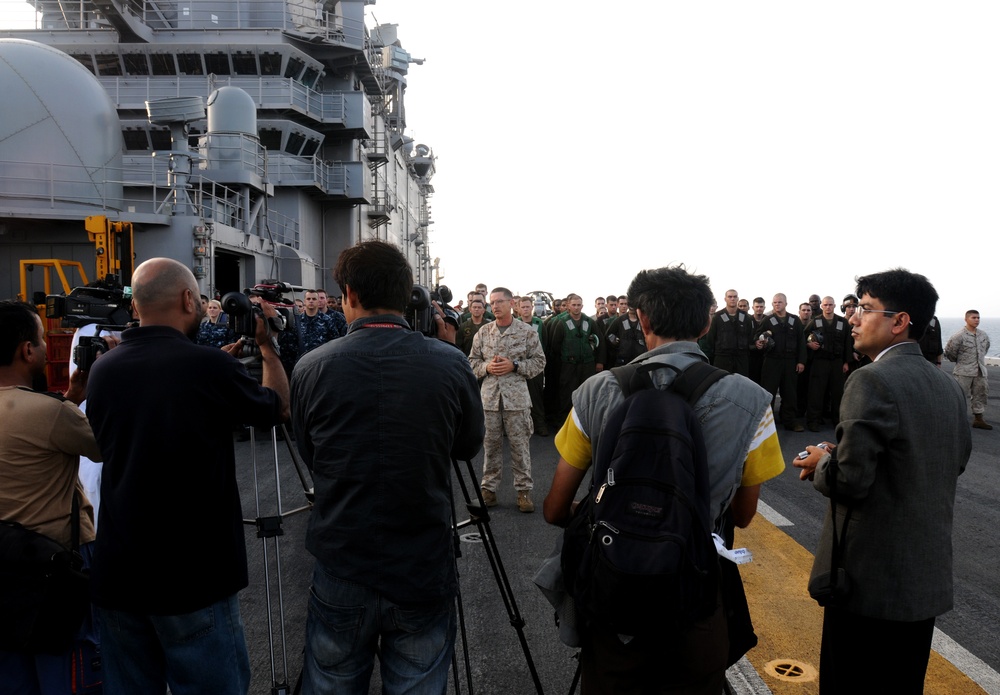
(862, 310)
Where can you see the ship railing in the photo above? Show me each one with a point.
(267, 93)
(132, 192)
(303, 16)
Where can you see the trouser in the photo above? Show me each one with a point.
(826, 380)
(756, 359)
(977, 389)
(348, 624)
(199, 653)
(519, 428)
(571, 375)
(778, 375)
(536, 392)
(738, 363)
(690, 661)
(849, 643)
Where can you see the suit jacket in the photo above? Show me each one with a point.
(902, 442)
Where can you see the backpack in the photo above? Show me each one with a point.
(638, 555)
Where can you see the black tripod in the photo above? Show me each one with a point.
(480, 517)
(270, 527)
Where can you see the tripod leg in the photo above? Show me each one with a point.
(480, 517)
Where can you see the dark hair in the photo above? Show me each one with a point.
(378, 273)
(675, 301)
(17, 325)
(507, 294)
(901, 290)
(970, 312)
(611, 298)
(759, 300)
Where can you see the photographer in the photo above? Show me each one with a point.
(378, 416)
(170, 557)
(41, 440)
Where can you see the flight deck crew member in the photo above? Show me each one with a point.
(785, 360)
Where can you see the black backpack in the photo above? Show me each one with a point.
(638, 555)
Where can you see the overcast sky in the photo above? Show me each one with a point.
(773, 146)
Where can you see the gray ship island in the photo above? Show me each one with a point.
(249, 140)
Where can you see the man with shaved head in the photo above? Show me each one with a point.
(171, 557)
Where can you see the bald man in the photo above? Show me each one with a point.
(171, 557)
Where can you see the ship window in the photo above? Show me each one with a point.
(271, 139)
(85, 60)
(163, 64)
(161, 139)
(217, 63)
(310, 149)
(294, 68)
(310, 77)
(295, 142)
(193, 136)
(245, 64)
(135, 64)
(108, 64)
(189, 64)
(136, 140)
(270, 63)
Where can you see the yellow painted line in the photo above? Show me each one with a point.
(789, 623)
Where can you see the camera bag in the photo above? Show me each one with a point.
(44, 589)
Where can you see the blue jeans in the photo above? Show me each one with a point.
(199, 653)
(349, 623)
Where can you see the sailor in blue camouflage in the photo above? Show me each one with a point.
(309, 330)
(505, 354)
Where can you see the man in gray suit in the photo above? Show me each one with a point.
(902, 442)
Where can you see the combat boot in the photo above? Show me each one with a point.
(524, 502)
(979, 423)
(489, 498)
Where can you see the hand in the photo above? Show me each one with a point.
(445, 330)
(812, 345)
(799, 368)
(262, 334)
(809, 463)
(234, 349)
(499, 366)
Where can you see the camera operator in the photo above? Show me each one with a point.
(170, 557)
(41, 440)
(378, 416)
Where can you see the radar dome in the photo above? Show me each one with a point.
(60, 136)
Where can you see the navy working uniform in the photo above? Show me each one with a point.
(729, 337)
(778, 372)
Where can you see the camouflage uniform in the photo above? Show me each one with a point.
(506, 401)
(309, 332)
(214, 334)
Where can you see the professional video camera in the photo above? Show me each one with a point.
(103, 301)
(420, 312)
(243, 312)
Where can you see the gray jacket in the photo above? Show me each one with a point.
(902, 442)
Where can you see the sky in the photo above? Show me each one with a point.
(773, 146)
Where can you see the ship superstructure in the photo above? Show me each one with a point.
(249, 138)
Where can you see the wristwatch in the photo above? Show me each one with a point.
(516, 365)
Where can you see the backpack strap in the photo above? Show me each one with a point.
(691, 383)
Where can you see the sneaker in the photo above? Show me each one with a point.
(524, 502)
(489, 497)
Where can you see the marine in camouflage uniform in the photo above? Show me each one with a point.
(504, 357)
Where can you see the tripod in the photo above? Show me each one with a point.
(269, 527)
(479, 516)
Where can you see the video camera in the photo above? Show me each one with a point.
(243, 313)
(420, 312)
(104, 301)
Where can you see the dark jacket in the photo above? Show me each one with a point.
(378, 416)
